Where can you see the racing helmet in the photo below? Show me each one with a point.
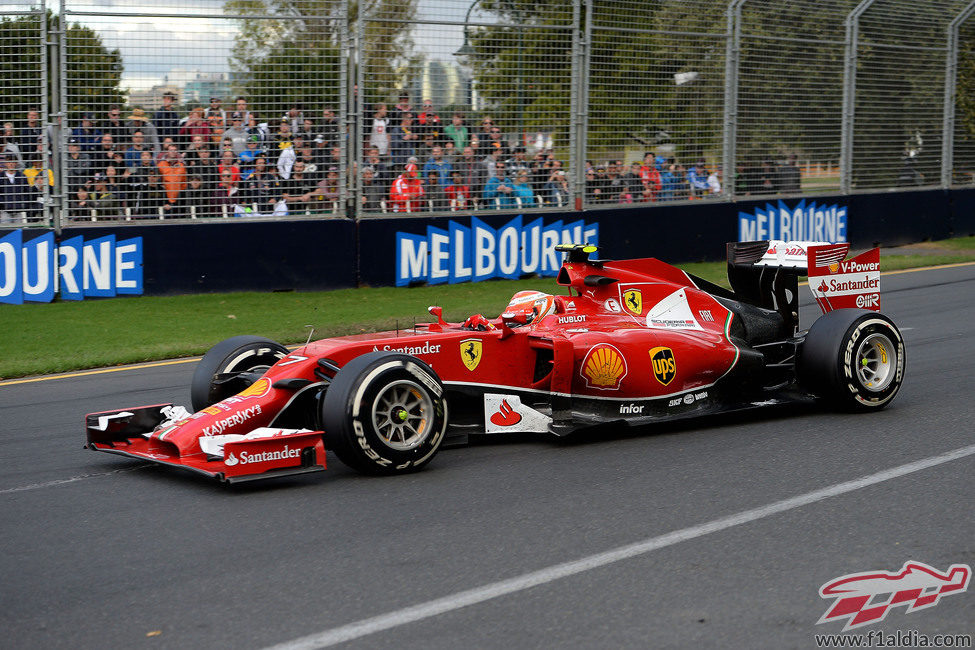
(534, 305)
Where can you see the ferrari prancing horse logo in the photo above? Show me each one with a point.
(470, 352)
(633, 299)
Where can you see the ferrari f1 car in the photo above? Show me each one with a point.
(633, 342)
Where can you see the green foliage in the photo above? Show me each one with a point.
(297, 58)
(93, 71)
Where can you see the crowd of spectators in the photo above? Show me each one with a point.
(222, 161)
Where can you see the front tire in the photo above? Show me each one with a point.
(854, 359)
(384, 413)
(231, 366)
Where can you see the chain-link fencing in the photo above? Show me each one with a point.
(286, 109)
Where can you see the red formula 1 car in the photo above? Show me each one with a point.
(634, 342)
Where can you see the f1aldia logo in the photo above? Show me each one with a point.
(866, 598)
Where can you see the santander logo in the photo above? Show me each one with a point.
(506, 416)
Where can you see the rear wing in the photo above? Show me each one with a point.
(766, 273)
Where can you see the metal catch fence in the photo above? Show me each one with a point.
(163, 110)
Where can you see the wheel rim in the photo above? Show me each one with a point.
(401, 415)
(875, 361)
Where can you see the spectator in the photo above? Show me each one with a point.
(226, 196)
(458, 194)
(540, 170)
(155, 196)
(450, 153)
(105, 155)
(296, 185)
(294, 117)
(557, 188)
(790, 178)
(456, 131)
(34, 207)
(252, 151)
(30, 133)
(492, 163)
(499, 190)
(768, 178)
(379, 132)
(34, 169)
(306, 130)
(139, 122)
(650, 177)
(594, 188)
(173, 173)
(614, 188)
(401, 109)
(286, 160)
(522, 190)
(682, 190)
(79, 206)
(237, 133)
(327, 189)
(428, 122)
(406, 193)
(166, 119)
(403, 141)
(14, 190)
(436, 197)
(9, 144)
(284, 133)
(697, 178)
(714, 181)
(634, 182)
(373, 192)
(195, 125)
(214, 113)
(668, 185)
(78, 168)
(518, 163)
(260, 129)
(115, 127)
(313, 170)
(472, 172)
(202, 163)
(496, 142)
(438, 165)
(240, 106)
(329, 130)
(87, 135)
(134, 153)
(103, 199)
(196, 200)
(259, 187)
(227, 163)
(383, 172)
(138, 184)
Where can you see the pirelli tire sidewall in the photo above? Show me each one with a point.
(828, 357)
(236, 354)
(347, 413)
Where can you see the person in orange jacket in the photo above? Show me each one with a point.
(407, 190)
(173, 173)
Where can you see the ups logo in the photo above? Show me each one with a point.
(664, 364)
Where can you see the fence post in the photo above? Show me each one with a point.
(578, 130)
(951, 90)
(849, 94)
(732, 56)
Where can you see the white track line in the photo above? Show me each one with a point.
(73, 479)
(461, 599)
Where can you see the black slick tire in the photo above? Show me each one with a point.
(384, 413)
(245, 356)
(853, 359)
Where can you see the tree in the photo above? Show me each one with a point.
(297, 58)
(93, 71)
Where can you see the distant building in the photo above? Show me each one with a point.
(203, 87)
(444, 83)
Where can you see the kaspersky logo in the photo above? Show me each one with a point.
(866, 598)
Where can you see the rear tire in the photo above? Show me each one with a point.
(384, 413)
(854, 359)
(247, 356)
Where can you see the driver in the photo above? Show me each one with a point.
(525, 308)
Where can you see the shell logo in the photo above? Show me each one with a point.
(833, 268)
(604, 367)
(257, 389)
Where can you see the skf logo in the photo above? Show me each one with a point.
(603, 367)
(916, 585)
(257, 389)
(470, 352)
(633, 299)
(664, 364)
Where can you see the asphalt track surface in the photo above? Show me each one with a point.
(712, 534)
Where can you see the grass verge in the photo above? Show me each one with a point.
(63, 336)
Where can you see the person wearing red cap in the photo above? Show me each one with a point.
(407, 190)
